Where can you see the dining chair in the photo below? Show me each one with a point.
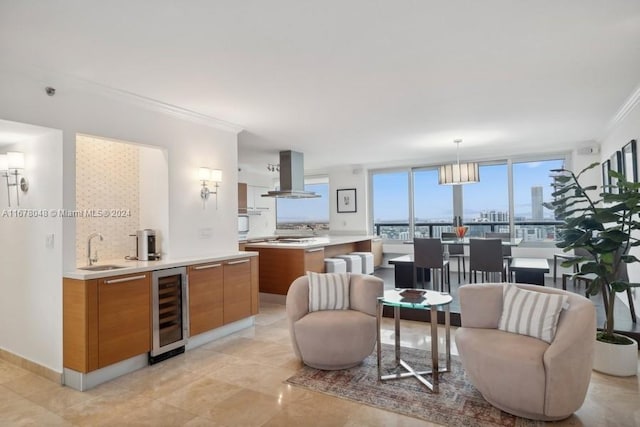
(485, 256)
(578, 252)
(429, 253)
(506, 249)
(456, 250)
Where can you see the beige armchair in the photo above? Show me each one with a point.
(519, 374)
(334, 339)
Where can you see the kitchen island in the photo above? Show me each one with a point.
(284, 260)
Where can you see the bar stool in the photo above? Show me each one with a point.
(335, 265)
(367, 261)
(354, 262)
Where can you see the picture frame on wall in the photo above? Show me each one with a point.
(615, 164)
(605, 176)
(630, 161)
(347, 200)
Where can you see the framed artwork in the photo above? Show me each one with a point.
(347, 200)
(615, 164)
(605, 176)
(629, 161)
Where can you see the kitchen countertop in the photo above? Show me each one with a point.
(309, 242)
(133, 266)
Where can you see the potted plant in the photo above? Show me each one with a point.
(605, 227)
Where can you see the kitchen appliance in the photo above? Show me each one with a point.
(169, 313)
(146, 244)
(291, 177)
(243, 225)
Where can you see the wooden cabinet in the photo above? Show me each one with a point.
(124, 317)
(237, 289)
(105, 320)
(242, 198)
(206, 295)
(108, 320)
(250, 200)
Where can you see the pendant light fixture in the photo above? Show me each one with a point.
(458, 173)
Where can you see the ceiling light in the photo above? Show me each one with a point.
(458, 173)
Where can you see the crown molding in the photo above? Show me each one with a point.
(625, 109)
(53, 78)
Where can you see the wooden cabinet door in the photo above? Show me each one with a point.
(314, 260)
(124, 317)
(237, 289)
(376, 249)
(242, 198)
(205, 297)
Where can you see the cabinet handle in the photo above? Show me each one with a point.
(242, 261)
(204, 267)
(314, 250)
(125, 279)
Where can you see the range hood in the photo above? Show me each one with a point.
(291, 177)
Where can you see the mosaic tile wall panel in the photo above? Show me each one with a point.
(107, 183)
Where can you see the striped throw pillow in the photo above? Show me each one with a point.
(328, 291)
(531, 313)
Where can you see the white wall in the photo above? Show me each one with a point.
(621, 133)
(30, 271)
(190, 142)
(349, 223)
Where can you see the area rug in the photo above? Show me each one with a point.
(457, 404)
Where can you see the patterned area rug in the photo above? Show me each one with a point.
(457, 404)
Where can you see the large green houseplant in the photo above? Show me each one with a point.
(605, 227)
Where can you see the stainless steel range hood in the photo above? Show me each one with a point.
(291, 177)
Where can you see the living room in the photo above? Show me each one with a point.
(360, 89)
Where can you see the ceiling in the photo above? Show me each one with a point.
(354, 82)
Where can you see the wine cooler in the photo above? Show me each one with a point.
(170, 324)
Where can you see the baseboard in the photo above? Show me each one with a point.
(32, 367)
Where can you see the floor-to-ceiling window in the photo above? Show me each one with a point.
(486, 203)
(531, 189)
(410, 202)
(432, 204)
(391, 204)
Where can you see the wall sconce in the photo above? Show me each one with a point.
(207, 175)
(11, 166)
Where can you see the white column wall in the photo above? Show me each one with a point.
(189, 141)
(349, 223)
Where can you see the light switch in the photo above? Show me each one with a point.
(205, 233)
(49, 240)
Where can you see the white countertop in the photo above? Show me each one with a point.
(309, 242)
(131, 266)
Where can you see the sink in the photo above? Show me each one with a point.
(101, 267)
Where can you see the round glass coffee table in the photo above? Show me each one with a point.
(417, 299)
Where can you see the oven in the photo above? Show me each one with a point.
(169, 313)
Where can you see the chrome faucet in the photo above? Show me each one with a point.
(90, 259)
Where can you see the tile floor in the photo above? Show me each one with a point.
(239, 381)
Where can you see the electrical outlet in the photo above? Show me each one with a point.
(205, 233)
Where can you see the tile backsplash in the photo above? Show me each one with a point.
(107, 197)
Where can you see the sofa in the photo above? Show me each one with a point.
(519, 374)
(334, 339)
